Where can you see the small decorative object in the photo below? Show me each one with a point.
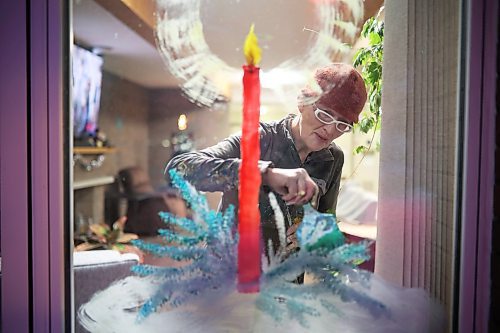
(100, 236)
(100, 139)
(88, 164)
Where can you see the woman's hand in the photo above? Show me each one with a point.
(294, 185)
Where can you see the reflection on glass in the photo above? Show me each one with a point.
(201, 42)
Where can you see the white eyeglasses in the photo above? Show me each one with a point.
(328, 119)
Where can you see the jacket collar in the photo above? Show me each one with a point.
(320, 155)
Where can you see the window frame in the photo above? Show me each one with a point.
(35, 167)
(36, 173)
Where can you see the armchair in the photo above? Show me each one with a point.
(144, 203)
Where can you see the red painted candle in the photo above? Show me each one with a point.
(249, 255)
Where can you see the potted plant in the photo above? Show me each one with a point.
(100, 236)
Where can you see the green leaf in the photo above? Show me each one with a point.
(380, 29)
(366, 124)
(373, 66)
(374, 76)
(367, 27)
(374, 98)
(360, 57)
(360, 149)
(374, 38)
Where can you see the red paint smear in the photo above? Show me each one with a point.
(250, 180)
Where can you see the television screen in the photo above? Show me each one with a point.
(86, 84)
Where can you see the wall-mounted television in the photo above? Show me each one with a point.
(86, 93)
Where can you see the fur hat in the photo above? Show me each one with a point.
(341, 89)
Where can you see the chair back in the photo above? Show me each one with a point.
(135, 180)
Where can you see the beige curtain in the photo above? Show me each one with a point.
(415, 241)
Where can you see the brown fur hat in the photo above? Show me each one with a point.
(342, 90)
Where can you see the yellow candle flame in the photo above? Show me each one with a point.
(251, 48)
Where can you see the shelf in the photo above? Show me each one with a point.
(78, 185)
(93, 150)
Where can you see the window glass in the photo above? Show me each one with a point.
(178, 85)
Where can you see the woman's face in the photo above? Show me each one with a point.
(314, 134)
